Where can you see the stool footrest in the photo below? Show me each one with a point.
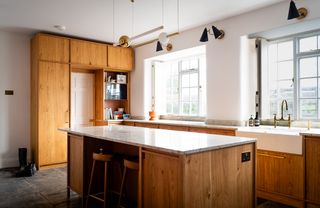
(95, 196)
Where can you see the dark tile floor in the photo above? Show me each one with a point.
(47, 189)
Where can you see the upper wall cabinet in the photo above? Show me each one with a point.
(120, 58)
(88, 53)
(52, 48)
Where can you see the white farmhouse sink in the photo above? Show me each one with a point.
(275, 139)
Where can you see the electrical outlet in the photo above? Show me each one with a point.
(245, 156)
(8, 92)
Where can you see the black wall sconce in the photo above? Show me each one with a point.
(296, 13)
(218, 34)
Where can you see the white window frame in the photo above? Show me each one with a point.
(297, 56)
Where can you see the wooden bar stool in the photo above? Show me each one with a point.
(131, 165)
(106, 158)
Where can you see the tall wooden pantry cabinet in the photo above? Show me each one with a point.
(50, 71)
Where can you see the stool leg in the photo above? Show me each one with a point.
(90, 183)
(105, 184)
(122, 184)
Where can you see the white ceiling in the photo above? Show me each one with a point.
(93, 19)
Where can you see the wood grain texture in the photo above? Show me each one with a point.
(88, 53)
(220, 178)
(312, 145)
(280, 174)
(120, 58)
(99, 94)
(213, 131)
(53, 48)
(53, 112)
(172, 127)
(75, 161)
(128, 123)
(162, 181)
(147, 125)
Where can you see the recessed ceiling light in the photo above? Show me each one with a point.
(60, 27)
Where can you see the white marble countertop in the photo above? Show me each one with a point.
(184, 123)
(177, 142)
(294, 131)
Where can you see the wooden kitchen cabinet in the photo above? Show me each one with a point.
(280, 177)
(213, 131)
(75, 161)
(52, 48)
(53, 109)
(172, 127)
(312, 145)
(120, 58)
(147, 125)
(89, 54)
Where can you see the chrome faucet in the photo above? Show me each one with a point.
(284, 103)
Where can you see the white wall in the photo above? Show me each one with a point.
(231, 75)
(14, 110)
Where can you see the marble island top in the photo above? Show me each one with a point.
(178, 142)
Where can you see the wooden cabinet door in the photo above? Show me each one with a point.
(280, 173)
(53, 112)
(162, 180)
(75, 163)
(53, 48)
(128, 123)
(120, 58)
(313, 169)
(88, 53)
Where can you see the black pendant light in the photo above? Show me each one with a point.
(218, 34)
(293, 11)
(204, 36)
(159, 46)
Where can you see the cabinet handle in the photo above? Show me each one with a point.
(273, 156)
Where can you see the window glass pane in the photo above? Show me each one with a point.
(175, 69)
(272, 54)
(308, 67)
(285, 50)
(193, 94)
(185, 80)
(308, 109)
(194, 80)
(169, 107)
(175, 107)
(273, 90)
(185, 65)
(308, 44)
(273, 107)
(285, 70)
(194, 64)
(285, 90)
(308, 88)
(185, 94)
(194, 108)
(185, 108)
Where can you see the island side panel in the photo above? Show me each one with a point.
(220, 178)
(161, 179)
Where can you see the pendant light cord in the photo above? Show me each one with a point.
(132, 18)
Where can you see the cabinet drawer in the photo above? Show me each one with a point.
(128, 123)
(172, 127)
(213, 131)
(147, 125)
(312, 145)
(88, 53)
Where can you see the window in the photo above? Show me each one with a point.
(291, 72)
(180, 86)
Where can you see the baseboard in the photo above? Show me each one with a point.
(9, 162)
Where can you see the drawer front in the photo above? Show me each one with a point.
(147, 125)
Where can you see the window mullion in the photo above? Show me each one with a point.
(296, 70)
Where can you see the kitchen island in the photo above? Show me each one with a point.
(176, 169)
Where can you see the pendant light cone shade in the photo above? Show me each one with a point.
(204, 36)
(159, 47)
(293, 11)
(217, 33)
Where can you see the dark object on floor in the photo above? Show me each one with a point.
(22, 158)
(28, 171)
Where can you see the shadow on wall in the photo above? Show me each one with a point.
(15, 109)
